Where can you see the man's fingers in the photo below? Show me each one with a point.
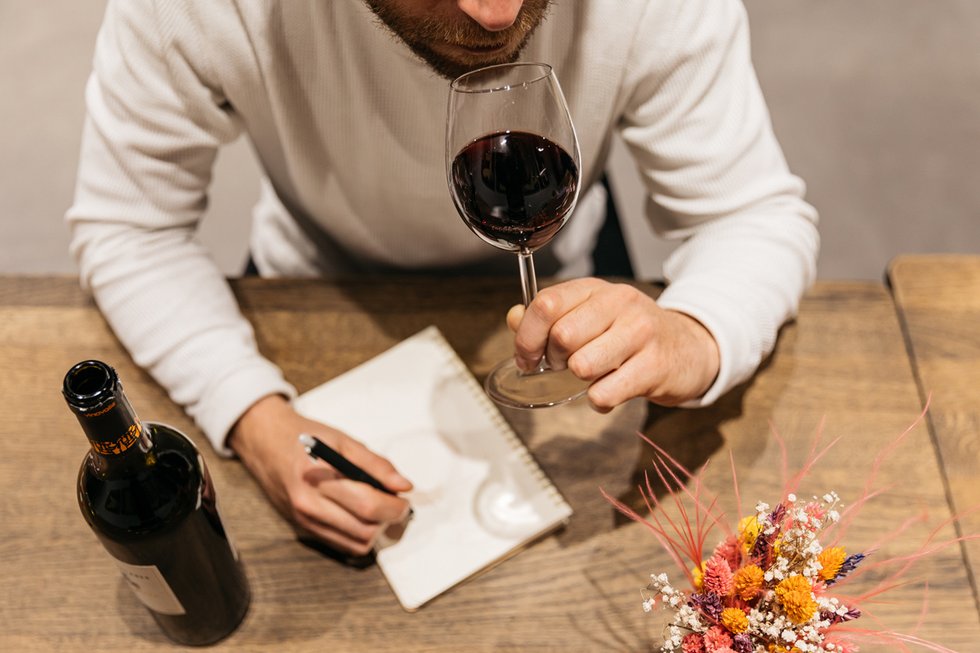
(628, 381)
(352, 513)
(514, 317)
(363, 502)
(378, 467)
(542, 314)
(335, 538)
(314, 507)
(587, 323)
(601, 355)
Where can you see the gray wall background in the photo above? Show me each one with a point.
(876, 104)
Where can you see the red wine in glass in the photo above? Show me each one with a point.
(514, 189)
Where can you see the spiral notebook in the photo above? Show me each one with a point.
(479, 495)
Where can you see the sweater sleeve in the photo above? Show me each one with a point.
(697, 125)
(151, 134)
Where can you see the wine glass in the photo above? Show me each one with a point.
(512, 161)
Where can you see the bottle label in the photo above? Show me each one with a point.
(151, 588)
(115, 447)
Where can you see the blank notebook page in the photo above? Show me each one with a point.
(479, 496)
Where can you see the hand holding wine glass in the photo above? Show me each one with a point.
(514, 172)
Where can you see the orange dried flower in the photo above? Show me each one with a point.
(831, 560)
(748, 582)
(734, 620)
(796, 596)
(795, 583)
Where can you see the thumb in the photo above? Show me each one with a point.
(514, 316)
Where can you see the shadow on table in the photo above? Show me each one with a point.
(616, 458)
(689, 436)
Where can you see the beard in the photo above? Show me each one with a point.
(427, 35)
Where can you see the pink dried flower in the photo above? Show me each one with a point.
(717, 576)
(693, 643)
(815, 511)
(730, 550)
(717, 638)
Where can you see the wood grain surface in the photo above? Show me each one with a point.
(840, 369)
(938, 299)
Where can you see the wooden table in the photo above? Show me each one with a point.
(938, 299)
(842, 367)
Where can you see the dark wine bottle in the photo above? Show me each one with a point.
(144, 489)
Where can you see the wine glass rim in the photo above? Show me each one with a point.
(457, 84)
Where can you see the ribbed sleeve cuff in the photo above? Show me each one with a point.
(217, 412)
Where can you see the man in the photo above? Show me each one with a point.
(344, 103)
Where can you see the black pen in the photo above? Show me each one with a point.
(318, 449)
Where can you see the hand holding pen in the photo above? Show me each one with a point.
(322, 504)
(320, 450)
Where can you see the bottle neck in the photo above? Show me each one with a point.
(115, 431)
(96, 397)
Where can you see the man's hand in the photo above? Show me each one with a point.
(618, 338)
(345, 514)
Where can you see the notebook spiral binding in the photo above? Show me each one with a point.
(503, 426)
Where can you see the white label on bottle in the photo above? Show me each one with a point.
(151, 588)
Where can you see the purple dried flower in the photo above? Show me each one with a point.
(850, 564)
(708, 604)
(777, 514)
(761, 549)
(834, 618)
(742, 644)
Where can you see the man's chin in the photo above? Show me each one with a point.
(452, 66)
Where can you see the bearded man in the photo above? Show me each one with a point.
(344, 104)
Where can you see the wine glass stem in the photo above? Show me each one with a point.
(529, 286)
(529, 282)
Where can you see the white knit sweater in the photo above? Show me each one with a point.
(349, 128)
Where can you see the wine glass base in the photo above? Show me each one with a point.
(509, 386)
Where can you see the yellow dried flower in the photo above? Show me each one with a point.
(796, 596)
(698, 575)
(748, 531)
(831, 560)
(748, 582)
(794, 583)
(734, 620)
